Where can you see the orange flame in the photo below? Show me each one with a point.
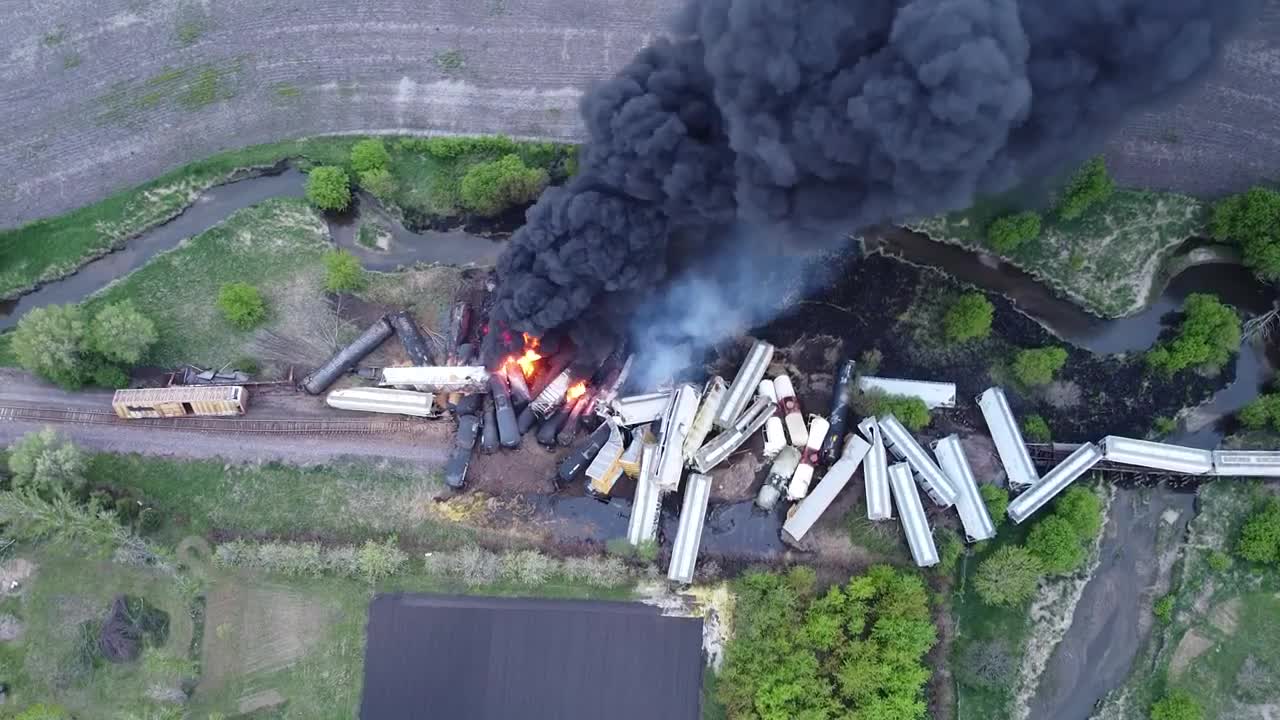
(531, 355)
(576, 391)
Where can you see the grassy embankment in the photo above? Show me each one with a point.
(426, 188)
(1106, 260)
(1221, 642)
(247, 635)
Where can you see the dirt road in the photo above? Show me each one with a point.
(97, 97)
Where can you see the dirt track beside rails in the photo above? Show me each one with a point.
(98, 97)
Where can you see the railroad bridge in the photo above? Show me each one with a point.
(1046, 456)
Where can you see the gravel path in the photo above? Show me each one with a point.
(429, 450)
(97, 97)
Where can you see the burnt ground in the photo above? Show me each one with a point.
(884, 305)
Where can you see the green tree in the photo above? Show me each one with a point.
(29, 517)
(1260, 539)
(489, 188)
(1008, 577)
(379, 183)
(328, 188)
(950, 549)
(1177, 705)
(997, 501)
(49, 341)
(242, 305)
(857, 651)
(1038, 366)
(343, 272)
(1008, 233)
(122, 334)
(1091, 185)
(1057, 545)
(1208, 335)
(969, 318)
(1082, 508)
(369, 154)
(910, 411)
(1163, 609)
(1252, 220)
(1262, 412)
(380, 560)
(1035, 429)
(48, 463)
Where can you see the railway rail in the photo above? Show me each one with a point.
(80, 416)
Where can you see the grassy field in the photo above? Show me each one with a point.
(426, 188)
(1222, 643)
(344, 502)
(249, 638)
(1105, 260)
(68, 591)
(977, 622)
(276, 246)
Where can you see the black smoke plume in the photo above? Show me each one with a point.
(806, 120)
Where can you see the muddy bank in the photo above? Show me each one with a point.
(406, 247)
(1113, 618)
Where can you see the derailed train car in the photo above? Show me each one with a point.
(180, 401)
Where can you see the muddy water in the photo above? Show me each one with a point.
(215, 204)
(1111, 621)
(1254, 365)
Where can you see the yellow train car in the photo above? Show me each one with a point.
(180, 401)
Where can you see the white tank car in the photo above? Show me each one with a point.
(383, 400)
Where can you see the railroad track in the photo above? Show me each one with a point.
(21, 413)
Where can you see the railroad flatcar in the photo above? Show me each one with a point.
(383, 400)
(180, 401)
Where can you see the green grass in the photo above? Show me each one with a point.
(976, 621)
(369, 234)
(188, 88)
(71, 61)
(451, 60)
(276, 246)
(1202, 597)
(210, 85)
(70, 586)
(49, 249)
(346, 502)
(54, 38)
(1103, 260)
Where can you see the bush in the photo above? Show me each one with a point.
(149, 520)
(1091, 185)
(41, 711)
(527, 567)
(1036, 429)
(1008, 577)
(1082, 508)
(1177, 705)
(969, 318)
(1163, 609)
(49, 341)
(869, 361)
(1219, 561)
(369, 154)
(453, 148)
(997, 501)
(1208, 335)
(597, 571)
(328, 188)
(489, 188)
(1007, 233)
(30, 517)
(1260, 539)
(47, 463)
(988, 664)
(472, 566)
(1038, 366)
(379, 183)
(910, 411)
(1262, 412)
(950, 550)
(122, 334)
(1252, 220)
(1163, 425)
(856, 651)
(376, 561)
(1054, 541)
(343, 272)
(242, 305)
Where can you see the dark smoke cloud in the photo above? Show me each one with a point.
(813, 119)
